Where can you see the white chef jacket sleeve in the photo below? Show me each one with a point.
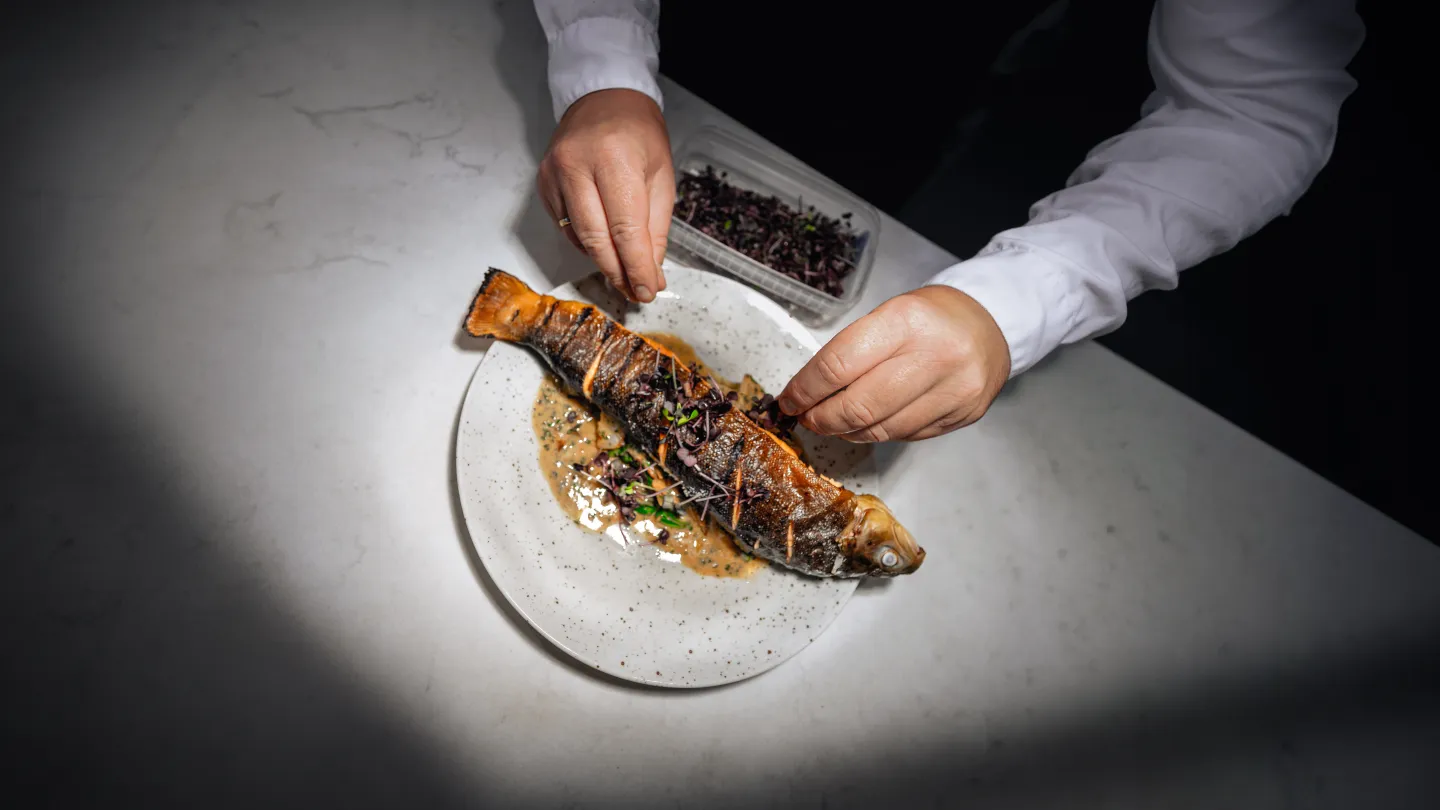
(1242, 118)
(600, 45)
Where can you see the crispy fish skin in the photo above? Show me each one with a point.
(804, 521)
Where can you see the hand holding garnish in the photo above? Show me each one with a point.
(922, 364)
(608, 177)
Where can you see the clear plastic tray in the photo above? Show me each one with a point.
(748, 167)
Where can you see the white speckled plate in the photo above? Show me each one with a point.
(625, 609)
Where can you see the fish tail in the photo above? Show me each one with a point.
(504, 308)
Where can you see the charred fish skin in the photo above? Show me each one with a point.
(570, 341)
(626, 365)
(772, 502)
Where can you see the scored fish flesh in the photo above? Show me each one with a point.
(773, 503)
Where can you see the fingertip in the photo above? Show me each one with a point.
(808, 422)
(620, 286)
(644, 279)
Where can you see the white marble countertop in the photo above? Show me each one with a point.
(240, 239)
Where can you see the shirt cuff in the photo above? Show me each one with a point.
(1018, 288)
(602, 53)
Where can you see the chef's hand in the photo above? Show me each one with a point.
(608, 169)
(922, 364)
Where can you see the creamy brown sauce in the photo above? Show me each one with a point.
(570, 431)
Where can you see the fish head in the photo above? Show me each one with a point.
(882, 547)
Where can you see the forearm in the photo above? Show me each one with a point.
(1242, 119)
(600, 45)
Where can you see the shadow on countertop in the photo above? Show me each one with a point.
(144, 664)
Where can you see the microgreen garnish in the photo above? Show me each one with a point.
(797, 242)
(767, 414)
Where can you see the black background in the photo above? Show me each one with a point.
(1313, 335)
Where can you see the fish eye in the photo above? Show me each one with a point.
(887, 557)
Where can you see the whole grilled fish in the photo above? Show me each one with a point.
(772, 502)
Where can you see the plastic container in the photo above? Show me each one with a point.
(750, 168)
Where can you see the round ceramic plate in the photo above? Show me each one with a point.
(624, 607)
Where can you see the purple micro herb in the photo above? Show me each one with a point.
(685, 456)
(712, 495)
(800, 243)
(767, 414)
(750, 494)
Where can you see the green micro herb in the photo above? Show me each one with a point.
(665, 516)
